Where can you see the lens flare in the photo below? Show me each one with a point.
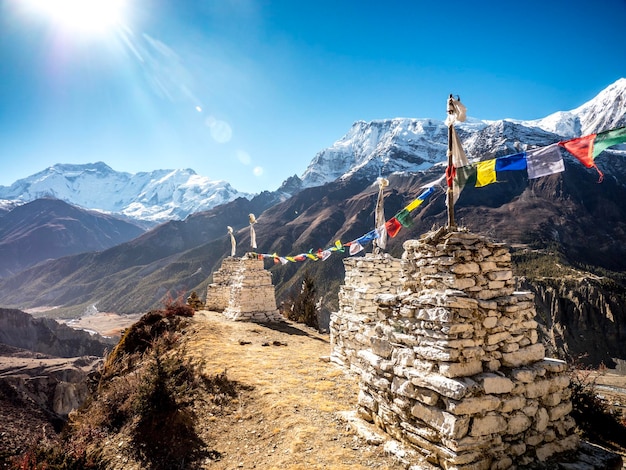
(87, 17)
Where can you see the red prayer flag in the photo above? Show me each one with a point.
(393, 226)
(582, 149)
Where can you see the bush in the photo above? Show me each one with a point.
(303, 308)
(595, 418)
(164, 434)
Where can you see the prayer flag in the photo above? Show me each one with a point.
(404, 217)
(459, 158)
(485, 172)
(607, 139)
(456, 111)
(368, 237)
(393, 227)
(382, 236)
(544, 161)
(355, 247)
(581, 148)
(461, 177)
(414, 205)
(233, 242)
(511, 162)
(338, 246)
(324, 255)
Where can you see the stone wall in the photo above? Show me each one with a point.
(242, 289)
(351, 326)
(454, 367)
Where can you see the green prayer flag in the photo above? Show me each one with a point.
(607, 139)
(404, 217)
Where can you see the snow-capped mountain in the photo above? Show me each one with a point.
(153, 196)
(383, 147)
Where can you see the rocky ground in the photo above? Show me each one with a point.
(290, 412)
(287, 417)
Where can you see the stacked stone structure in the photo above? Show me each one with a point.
(242, 289)
(352, 326)
(454, 367)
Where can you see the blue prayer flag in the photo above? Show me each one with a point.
(511, 162)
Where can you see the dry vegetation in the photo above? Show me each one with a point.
(205, 392)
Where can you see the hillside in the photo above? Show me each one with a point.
(269, 399)
(48, 228)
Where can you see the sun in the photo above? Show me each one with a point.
(85, 17)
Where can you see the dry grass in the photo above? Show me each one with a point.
(287, 420)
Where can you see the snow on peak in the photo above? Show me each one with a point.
(154, 196)
(605, 111)
(385, 146)
(381, 147)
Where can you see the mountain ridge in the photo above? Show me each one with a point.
(369, 149)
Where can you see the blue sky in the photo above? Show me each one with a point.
(249, 91)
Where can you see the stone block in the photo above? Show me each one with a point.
(512, 404)
(448, 387)
(518, 423)
(542, 419)
(366, 400)
(552, 365)
(473, 405)
(524, 356)
(489, 424)
(498, 337)
(494, 383)
(560, 411)
(524, 375)
(461, 369)
(381, 347)
(490, 322)
(447, 424)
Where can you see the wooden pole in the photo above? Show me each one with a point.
(450, 192)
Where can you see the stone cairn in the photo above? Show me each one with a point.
(242, 289)
(453, 367)
(350, 330)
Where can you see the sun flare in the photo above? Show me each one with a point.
(86, 17)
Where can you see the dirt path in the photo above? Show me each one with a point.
(288, 418)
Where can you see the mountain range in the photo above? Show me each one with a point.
(568, 216)
(151, 197)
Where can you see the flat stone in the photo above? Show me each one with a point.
(473, 405)
(494, 383)
(449, 425)
(461, 369)
(448, 387)
(490, 424)
(524, 356)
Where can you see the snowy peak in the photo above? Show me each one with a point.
(381, 147)
(150, 196)
(606, 111)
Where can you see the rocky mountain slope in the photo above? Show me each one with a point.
(44, 370)
(49, 228)
(152, 197)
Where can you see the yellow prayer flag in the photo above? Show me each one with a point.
(414, 205)
(485, 172)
